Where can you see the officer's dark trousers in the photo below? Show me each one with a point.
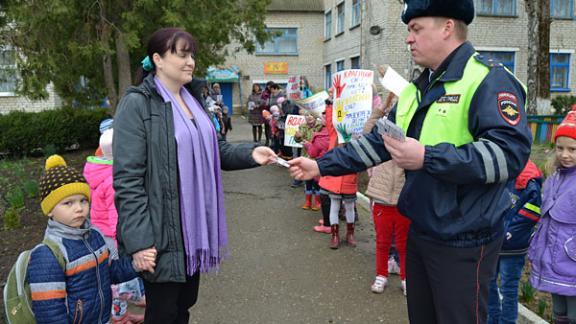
(448, 285)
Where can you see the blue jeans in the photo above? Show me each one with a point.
(509, 269)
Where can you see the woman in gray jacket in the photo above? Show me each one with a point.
(167, 161)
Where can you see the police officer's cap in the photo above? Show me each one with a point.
(457, 9)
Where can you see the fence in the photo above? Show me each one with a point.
(543, 127)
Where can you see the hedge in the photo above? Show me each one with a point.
(22, 133)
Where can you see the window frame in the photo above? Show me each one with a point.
(13, 67)
(493, 11)
(356, 14)
(352, 58)
(570, 14)
(341, 62)
(340, 18)
(259, 51)
(328, 29)
(327, 75)
(566, 73)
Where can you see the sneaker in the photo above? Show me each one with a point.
(322, 229)
(404, 287)
(393, 266)
(379, 284)
(296, 183)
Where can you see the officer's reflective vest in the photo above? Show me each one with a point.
(447, 118)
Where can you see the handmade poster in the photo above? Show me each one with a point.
(293, 122)
(293, 88)
(315, 104)
(352, 102)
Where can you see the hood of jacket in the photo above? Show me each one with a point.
(97, 171)
(529, 172)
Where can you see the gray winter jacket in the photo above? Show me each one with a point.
(146, 177)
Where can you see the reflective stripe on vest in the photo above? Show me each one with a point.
(447, 118)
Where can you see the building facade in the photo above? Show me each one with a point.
(499, 30)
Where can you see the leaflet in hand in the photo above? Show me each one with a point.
(386, 127)
(282, 162)
(393, 81)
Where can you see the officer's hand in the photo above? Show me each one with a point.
(409, 155)
(303, 168)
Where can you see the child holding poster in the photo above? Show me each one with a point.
(303, 136)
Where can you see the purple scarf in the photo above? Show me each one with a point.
(201, 194)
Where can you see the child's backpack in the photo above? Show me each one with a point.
(17, 296)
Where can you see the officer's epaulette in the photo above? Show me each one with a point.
(488, 61)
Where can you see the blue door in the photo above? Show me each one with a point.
(227, 92)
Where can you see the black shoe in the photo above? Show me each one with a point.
(296, 183)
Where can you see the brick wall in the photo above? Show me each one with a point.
(18, 103)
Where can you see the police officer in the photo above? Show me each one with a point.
(467, 136)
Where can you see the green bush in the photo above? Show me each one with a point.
(527, 292)
(12, 218)
(563, 104)
(15, 198)
(30, 188)
(21, 133)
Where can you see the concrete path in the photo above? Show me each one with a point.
(280, 271)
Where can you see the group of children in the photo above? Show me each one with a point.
(71, 274)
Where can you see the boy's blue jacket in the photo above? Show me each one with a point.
(81, 293)
(451, 199)
(519, 221)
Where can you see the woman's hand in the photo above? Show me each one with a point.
(144, 260)
(263, 155)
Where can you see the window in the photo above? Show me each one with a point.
(340, 25)
(355, 13)
(496, 7)
(8, 73)
(559, 72)
(328, 25)
(355, 62)
(339, 66)
(562, 8)
(506, 58)
(284, 42)
(327, 76)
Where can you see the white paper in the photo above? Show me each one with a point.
(393, 81)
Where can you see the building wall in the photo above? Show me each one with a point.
(18, 103)
(308, 62)
(485, 32)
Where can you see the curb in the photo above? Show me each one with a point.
(525, 316)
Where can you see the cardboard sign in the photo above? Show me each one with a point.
(293, 122)
(293, 88)
(352, 102)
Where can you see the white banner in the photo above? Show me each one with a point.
(315, 104)
(293, 122)
(352, 102)
(293, 88)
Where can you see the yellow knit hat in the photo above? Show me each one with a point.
(60, 181)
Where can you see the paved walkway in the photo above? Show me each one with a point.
(280, 271)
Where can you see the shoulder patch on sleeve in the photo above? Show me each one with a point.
(508, 108)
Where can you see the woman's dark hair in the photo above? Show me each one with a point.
(275, 86)
(164, 40)
(256, 85)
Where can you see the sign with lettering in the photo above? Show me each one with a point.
(352, 102)
(315, 104)
(276, 68)
(293, 122)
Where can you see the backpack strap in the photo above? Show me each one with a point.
(53, 246)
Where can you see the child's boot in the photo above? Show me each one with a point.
(317, 204)
(335, 240)
(308, 202)
(350, 234)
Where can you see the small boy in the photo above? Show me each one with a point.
(519, 222)
(81, 292)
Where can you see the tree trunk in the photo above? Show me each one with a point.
(107, 68)
(532, 80)
(544, 56)
(123, 63)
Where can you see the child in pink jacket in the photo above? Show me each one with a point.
(103, 215)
